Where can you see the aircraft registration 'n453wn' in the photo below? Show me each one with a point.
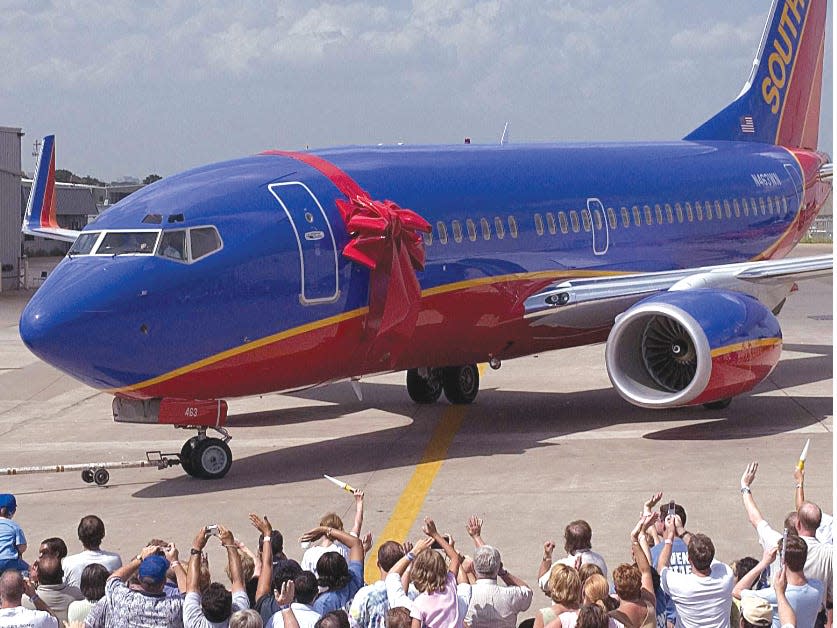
(290, 269)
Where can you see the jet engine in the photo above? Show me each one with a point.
(692, 347)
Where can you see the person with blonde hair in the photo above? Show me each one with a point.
(564, 587)
(331, 520)
(247, 618)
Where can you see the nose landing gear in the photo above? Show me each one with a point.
(205, 457)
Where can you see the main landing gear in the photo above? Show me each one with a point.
(459, 383)
(205, 457)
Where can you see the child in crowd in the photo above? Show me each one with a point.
(12, 539)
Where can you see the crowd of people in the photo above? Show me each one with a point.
(673, 581)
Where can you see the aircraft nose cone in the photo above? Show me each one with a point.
(41, 331)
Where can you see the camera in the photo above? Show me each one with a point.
(212, 529)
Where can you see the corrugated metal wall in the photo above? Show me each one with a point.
(10, 175)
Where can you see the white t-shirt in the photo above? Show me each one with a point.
(306, 617)
(193, 616)
(20, 617)
(313, 553)
(75, 564)
(700, 600)
(587, 557)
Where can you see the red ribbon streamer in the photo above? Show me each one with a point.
(386, 239)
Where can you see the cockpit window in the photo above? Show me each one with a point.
(203, 241)
(128, 243)
(173, 245)
(84, 243)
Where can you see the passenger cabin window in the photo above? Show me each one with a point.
(457, 231)
(574, 220)
(746, 206)
(512, 227)
(769, 205)
(689, 214)
(659, 213)
(637, 216)
(84, 243)
(428, 237)
(562, 221)
(203, 241)
(669, 214)
(763, 206)
(736, 208)
(498, 227)
(443, 232)
(649, 220)
(585, 219)
(727, 209)
(699, 211)
(626, 217)
(679, 209)
(472, 230)
(611, 218)
(784, 205)
(538, 224)
(486, 229)
(128, 243)
(550, 223)
(173, 245)
(718, 213)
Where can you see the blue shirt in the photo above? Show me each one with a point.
(804, 600)
(333, 600)
(678, 562)
(11, 535)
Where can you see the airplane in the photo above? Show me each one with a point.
(286, 270)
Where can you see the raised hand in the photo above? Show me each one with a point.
(474, 526)
(261, 524)
(749, 474)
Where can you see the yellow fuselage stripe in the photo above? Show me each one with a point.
(412, 498)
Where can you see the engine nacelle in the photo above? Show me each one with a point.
(692, 347)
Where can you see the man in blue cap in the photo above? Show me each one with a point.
(144, 604)
(12, 539)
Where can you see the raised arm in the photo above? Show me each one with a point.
(233, 558)
(749, 578)
(172, 555)
(642, 559)
(284, 598)
(799, 495)
(474, 528)
(668, 539)
(265, 582)
(546, 561)
(358, 512)
(430, 530)
(127, 570)
(787, 617)
(753, 512)
(354, 544)
(194, 577)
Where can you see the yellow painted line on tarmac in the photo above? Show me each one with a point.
(411, 500)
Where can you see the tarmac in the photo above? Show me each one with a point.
(546, 442)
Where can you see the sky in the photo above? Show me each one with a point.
(160, 86)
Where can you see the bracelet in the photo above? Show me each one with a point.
(667, 541)
(503, 573)
(410, 556)
(195, 552)
(175, 563)
(34, 598)
(229, 545)
(799, 486)
(138, 557)
(546, 559)
(745, 490)
(284, 607)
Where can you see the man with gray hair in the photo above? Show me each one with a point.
(493, 605)
(12, 613)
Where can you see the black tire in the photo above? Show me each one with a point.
(186, 456)
(211, 458)
(423, 390)
(721, 404)
(87, 476)
(101, 477)
(461, 383)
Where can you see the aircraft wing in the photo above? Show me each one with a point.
(586, 303)
(40, 219)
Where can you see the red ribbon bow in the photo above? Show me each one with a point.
(386, 239)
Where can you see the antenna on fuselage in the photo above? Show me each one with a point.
(504, 138)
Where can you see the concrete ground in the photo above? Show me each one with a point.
(547, 441)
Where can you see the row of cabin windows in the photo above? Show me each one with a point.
(575, 221)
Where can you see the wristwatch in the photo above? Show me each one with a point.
(195, 552)
(745, 490)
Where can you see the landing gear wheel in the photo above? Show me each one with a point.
(461, 383)
(424, 390)
(718, 405)
(87, 476)
(186, 457)
(101, 477)
(211, 458)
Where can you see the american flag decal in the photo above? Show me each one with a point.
(747, 125)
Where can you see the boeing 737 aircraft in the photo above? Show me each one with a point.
(291, 269)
